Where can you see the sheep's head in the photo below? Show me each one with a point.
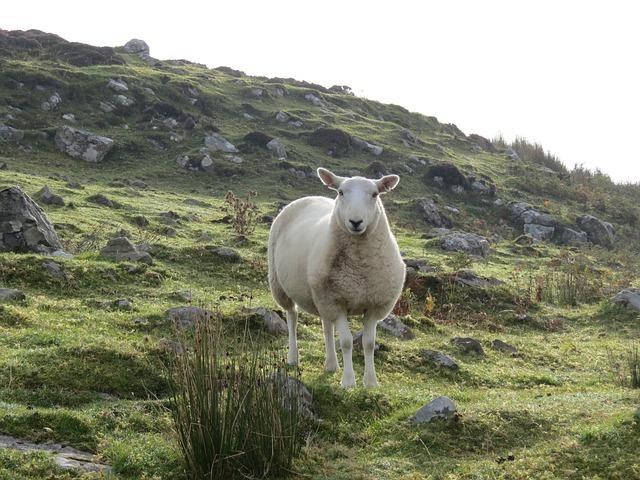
(358, 204)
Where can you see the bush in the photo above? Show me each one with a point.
(626, 367)
(243, 212)
(234, 412)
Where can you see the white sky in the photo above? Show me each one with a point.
(563, 73)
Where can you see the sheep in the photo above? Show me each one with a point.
(336, 258)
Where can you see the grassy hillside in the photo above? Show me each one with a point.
(77, 371)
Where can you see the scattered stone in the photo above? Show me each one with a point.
(598, 232)
(123, 100)
(101, 199)
(568, 236)
(186, 317)
(418, 265)
(394, 326)
(82, 145)
(282, 117)
(121, 248)
(227, 254)
(69, 117)
(276, 146)
(366, 146)
(468, 345)
(24, 226)
(120, 304)
(440, 408)
(465, 242)
(196, 203)
(294, 388)
(629, 297)
(107, 107)
(440, 359)
(470, 279)
(139, 184)
(376, 169)
(431, 214)
(357, 343)
(3, 166)
(271, 321)
(45, 195)
(503, 346)
(10, 134)
(140, 221)
(310, 97)
(539, 232)
(55, 270)
(216, 142)
(117, 85)
(11, 295)
(511, 154)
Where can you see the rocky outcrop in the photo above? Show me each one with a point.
(439, 359)
(396, 327)
(137, 46)
(24, 226)
(483, 143)
(278, 148)
(599, 232)
(333, 141)
(446, 175)
(431, 214)
(466, 243)
(83, 145)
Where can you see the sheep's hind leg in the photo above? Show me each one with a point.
(292, 324)
(331, 359)
(368, 345)
(346, 344)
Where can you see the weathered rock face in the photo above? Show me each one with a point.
(24, 226)
(335, 142)
(431, 214)
(599, 232)
(135, 45)
(569, 236)
(216, 142)
(440, 408)
(482, 142)
(465, 242)
(83, 145)
(629, 298)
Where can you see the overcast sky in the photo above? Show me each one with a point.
(565, 74)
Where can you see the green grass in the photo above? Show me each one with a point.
(92, 377)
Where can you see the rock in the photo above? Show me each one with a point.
(310, 97)
(465, 242)
(11, 295)
(139, 184)
(3, 166)
(101, 199)
(123, 100)
(598, 232)
(196, 203)
(10, 134)
(481, 186)
(366, 146)
(440, 359)
(539, 232)
(82, 145)
(293, 389)
(511, 154)
(186, 317)
(107, 107)
(216, 142)
(137, 46)
(120, 304)
(482, 142)
(376, 169)
(440, 408)
(117, 85)
(436, 233)
(393, 325)
(282, 117)
(45, 195)
(55, 270)
(629, 297)
(418, 265)
(468, 345)
(256, 92)
(257, 139)
(503, 346)
(24, 226)
(357, 343)
(470, 279)
(449, 174)
(140, 221)
(121, 248)
(568, 236)
(227, 254)
(69, 117)
(334, 141)
(431, 214)
(269, 319)
(276, 146)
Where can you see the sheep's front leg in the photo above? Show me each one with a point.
(368, 345)
(346, 344)
(292, 324)
(331, 359)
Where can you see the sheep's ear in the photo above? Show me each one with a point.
(330, 179)
(387, 183)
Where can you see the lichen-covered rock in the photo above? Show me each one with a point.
(83, 145)
(394, 326)
(441, 408)
(431, 213)
(439, 359)
(629, 297)
(24, 226)
(465, 242)
(216, 142)
(121, 248)
(599, 232)
(137, 46)
(503, 346)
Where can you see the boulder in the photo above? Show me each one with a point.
(185, 317)
(465, 242)
(10, 134)
(598, 232)
(629, 297)
(366, 146)
(539, 232)
(394, 326)
(503, 346)
(431, 214)
(11, 295)
(270, 320)
(46, 195)
(468, 278)
(482, 142)
(3, 165)
(123, 100)
(277, 147)
(137, 46)
(121, 249)
(117, 85)
(294, 388)
(448, 173)
(226, 254)
(376, 169)
(569, 236)
(468, 345)
(511, 154)
(282, 117)
(439, 359)
(310, 97)
(24, 226)
(101, 199)
(334, 141)
(216, 142)
(83, 145)
(441, 408)
(257, 139)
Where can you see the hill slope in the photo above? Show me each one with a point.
(77, 368)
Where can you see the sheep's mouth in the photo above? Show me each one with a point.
(357, 231)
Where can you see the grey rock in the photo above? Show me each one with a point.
(140, 221)
(216, 142)
(82, 145)
(137, 46)
(3, 166)
(101, 199)
(256, 92)
(394, 326)
(107, 107)
(442, 408)
(270, 320)
(511, 154)
(46, 195)
(418, 265)
(55, 270)
(470, 279)
(227, 254)
(11, 295)
(465, 242)
(139, 184)
(186, 317)
(437, 233)
(569, 236)
(69, 117)
(10, 134)
(121, 249)
(599, 232)
(503, 346)
(24, 226)
(123, 100)
(276, 146)
(440, 359)
(468, 345)
(282, 117)
(431, 213)
(295, 389)
(117, 85)
(629, 297)
(310, 97)
(366, 146)
(357, 342)
(539, 232)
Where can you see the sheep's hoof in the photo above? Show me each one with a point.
(348, 382)
(370, 382)
(331, 367)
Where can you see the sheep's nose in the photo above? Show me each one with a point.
(356, 224)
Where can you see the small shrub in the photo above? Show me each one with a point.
(403, 305)
(233, 409)
(243, 212)
(626, 367)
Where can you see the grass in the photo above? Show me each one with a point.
(93, 377)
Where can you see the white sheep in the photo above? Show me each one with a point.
(336, 258)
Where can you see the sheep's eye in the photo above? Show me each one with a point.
(375, 195)
(340, 192)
